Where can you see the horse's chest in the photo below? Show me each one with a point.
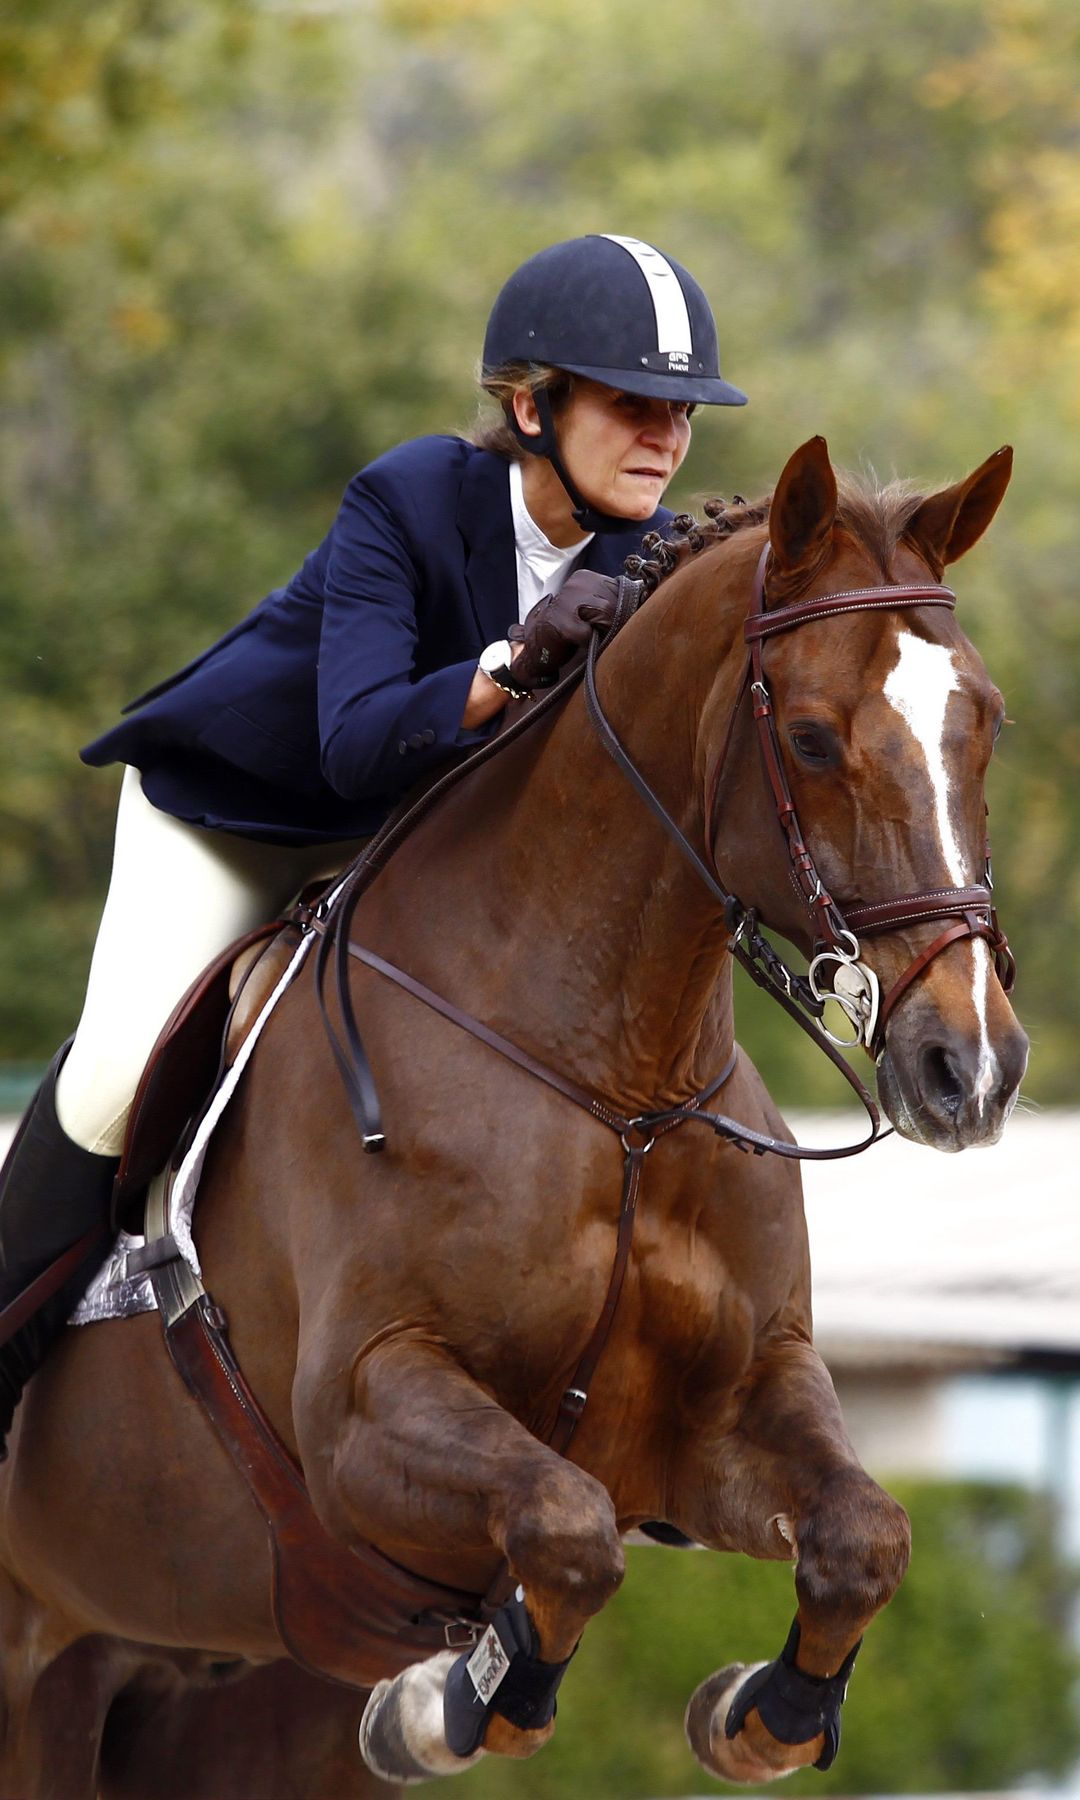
(694, 1303)
(696, 1293)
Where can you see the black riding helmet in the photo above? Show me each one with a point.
(614, 309)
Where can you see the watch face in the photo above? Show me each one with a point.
(495, 656)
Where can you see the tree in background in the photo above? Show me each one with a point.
(248, 246)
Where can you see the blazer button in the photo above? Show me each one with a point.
(402, 746)
(429, 736)
(414, 740)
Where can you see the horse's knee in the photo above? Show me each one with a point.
(853, 1549)
(562, 1542)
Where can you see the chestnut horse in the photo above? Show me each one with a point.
(411, 1322)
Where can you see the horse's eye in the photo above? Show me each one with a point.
(811, 745)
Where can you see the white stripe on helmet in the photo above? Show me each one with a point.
(669, 304)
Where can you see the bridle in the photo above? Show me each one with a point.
(837, 971)
(837, 956)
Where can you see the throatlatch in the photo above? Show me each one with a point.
(502, 1675)
(795, 1707)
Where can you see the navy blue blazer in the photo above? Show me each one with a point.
(311, 717)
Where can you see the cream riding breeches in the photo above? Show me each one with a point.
(177, 897)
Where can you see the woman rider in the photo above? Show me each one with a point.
(261, 764)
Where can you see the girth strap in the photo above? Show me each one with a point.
(344, 1611)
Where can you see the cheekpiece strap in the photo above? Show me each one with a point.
(792, 1706)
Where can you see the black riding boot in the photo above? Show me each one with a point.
(52, 1193)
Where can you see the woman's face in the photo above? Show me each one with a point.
(621, 450)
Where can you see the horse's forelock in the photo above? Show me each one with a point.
(875, 513)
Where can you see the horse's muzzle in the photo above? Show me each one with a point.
(949, 1088)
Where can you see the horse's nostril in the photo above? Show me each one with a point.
(941, 1079)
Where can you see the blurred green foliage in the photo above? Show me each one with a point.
(962, 1684)
(247, 244)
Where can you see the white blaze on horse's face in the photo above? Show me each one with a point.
(919, 687)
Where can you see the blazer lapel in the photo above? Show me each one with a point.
(487, 531)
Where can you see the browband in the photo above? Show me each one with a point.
(762, 624)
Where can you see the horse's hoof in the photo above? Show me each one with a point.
(731, 1759)
(401, 1733)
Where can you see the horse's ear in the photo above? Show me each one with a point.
(950, 522)
(803, 508)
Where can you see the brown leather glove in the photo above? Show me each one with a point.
(559, 624)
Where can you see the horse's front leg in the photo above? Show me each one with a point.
(787, 1482)
(422, 1461)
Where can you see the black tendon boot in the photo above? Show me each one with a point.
(52, 1194)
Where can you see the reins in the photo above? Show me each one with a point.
(750, 949)
(746, 944)
(339, 904)
(836, 970)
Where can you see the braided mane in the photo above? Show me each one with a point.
(876, 514)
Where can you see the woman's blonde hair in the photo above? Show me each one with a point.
(502, 384)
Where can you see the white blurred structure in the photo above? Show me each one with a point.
(947, 1302)
(976, 1256)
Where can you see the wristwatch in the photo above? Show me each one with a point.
(495, 660)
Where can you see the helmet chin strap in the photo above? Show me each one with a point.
(546, 443)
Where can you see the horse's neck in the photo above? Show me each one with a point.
(572, 923)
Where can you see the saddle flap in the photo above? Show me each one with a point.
(180, 1072)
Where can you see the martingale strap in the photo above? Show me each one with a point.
(637, 1136)
(746, 945)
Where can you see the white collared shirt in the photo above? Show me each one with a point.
(542, 566)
